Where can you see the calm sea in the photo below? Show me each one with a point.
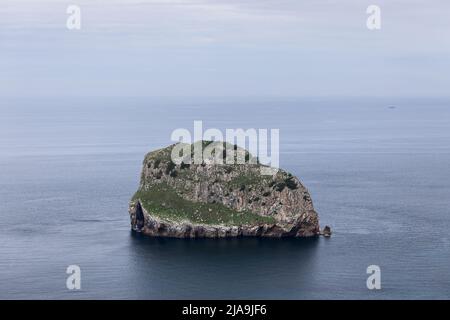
(378, 171)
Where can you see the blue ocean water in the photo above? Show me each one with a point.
(378, 175)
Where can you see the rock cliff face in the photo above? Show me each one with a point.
(219, 200)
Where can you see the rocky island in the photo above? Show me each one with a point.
(207, 200)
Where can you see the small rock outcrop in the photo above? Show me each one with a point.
(326, 232)
(210, 200)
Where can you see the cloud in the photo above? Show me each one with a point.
(225, 47)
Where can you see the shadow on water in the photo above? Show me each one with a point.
(222, 268)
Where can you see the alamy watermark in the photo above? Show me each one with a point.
(374, 20)
(374, 280)
(74, 20)
(224, 149)
(73, 281)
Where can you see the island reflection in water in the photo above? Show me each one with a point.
(223, 268)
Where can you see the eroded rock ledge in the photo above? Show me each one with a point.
(215, 201)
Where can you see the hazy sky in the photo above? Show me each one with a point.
(224, 48)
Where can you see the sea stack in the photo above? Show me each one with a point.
(209, 200)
